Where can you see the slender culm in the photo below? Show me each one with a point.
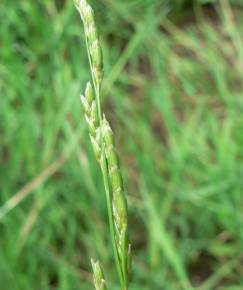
(103, 143)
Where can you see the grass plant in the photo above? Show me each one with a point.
(102, 140)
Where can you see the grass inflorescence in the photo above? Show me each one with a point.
(102, 140)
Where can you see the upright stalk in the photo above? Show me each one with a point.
(102, 140)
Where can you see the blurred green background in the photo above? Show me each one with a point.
(173, 94)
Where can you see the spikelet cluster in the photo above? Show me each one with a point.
(119, 202)
(99, 280)
(93, 45)
(103, 143)
(91, 116)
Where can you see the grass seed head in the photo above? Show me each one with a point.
(103, 143)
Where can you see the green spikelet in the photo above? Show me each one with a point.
(98, 275)
(119, 199)
(93, 45)
(119, 202)
(91, 117)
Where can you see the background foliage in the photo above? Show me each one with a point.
(173, 93)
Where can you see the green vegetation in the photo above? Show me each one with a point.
(172, 91)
